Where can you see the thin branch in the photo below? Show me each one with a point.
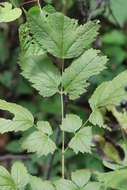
(62, 117)
(63, 136)
(25, 3)
(8, 157)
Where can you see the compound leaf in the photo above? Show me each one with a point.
(81, 142)
(40, 143)
(21, 121)
(75, 78)
(43, 75)
(62, 36)
(7, 14)
(71, 123)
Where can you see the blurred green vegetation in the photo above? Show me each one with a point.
(110, 147)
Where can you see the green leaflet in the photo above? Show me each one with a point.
(43, 75)
(62, 36)
(107, 94)
(110, 93)
(21, 121)
(47, 9)
(81, 177)
(77, 183)
(20, 175)
(37, 184)
(6, 180)
(44, 127)
(29, 46)
(40, 143)
(97, 117)
(7, 14)
(18, 179)
(21, 180)
(82, 140)
(93, 186)
(64, 184)
(75, 78)
(71, 123)
(116, 179)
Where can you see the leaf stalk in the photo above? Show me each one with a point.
(62, 117)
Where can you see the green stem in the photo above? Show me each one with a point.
(85, 123)
(62, 117)
(63, 135)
